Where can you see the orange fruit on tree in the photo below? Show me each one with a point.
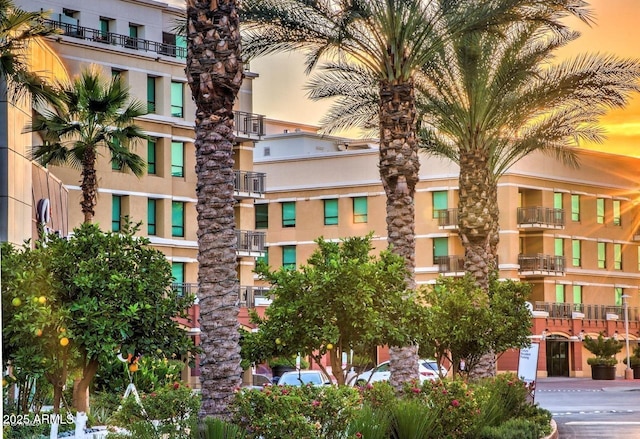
(42, 300)
(64, 341)
(38, 332)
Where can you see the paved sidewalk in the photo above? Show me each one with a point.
(557, 384)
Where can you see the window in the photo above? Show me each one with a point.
(576, 250)
(560, 293)
(557, 200)
(559, 246)
(151, 156)
(177, 219)
(177, 99)
(440, 248)
(116, 212)
(262, 215)
(177, 159)
(132, 41)
(617, 256)
(116, 74)
(151, 94)
(617, 219)
(330, 212)
(600, 210)
(575, 207)
(602, 255)
(152, 211)
(289, 214)
(174, 45)
(439, 202)
(617, 291)
(360, 210)
(177, 272)
(264, 258)
(104, 29)
(181, 47)
(289, 257)
(577, 294)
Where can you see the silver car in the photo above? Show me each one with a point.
(428, 370)
(304, 377)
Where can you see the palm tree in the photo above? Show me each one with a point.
(93, 113)
(389, 41)
(214, 71)
(17, 29)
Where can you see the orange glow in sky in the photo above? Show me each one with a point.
(279, 92)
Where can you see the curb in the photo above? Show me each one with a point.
(554, 431)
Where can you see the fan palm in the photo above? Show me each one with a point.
(93, 113)
(17, 29)
(214, 71)
(389, 41)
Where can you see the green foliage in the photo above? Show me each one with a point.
(114, 376)
(344, 299)
(604, 350)
(413, 419)
(378, 394)
(214, 428)
(512, 429)
(464, 322)
(370, 423)
(635, 358)
(501, 398)
(279, 412)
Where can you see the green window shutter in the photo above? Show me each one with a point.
(617, 256)
(262, 215)
(576, 250)
(151, 156)
(617, 219)
(133, 31)
(116, 212)
(557, 200)
(330, 212)
(289, 214)
(104, 27)
(560, 297)
(439, 202)
(289, 257)
(618, 296)
(440, 247)
(151, 94)
(177, 159)
(360, 209)
(559, 246)
(577, 294)
(177, 219)
(177, 99)
(602, 255)
(600, 210)
(152, 207)
(575, 207)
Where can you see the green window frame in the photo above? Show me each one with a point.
(440, 248)
(104, 28)
(600, 210)
(177, 219)
(152, 215)
(289, 257)
(558, 245)
(558, 199)
(177, 159)
(575, 207)
(576, 252)
(331, 212)
(617, 213)
(151, 156)
(289, 214)
(116, 212)
(617, 256)
(617, 294)
(177, 99)
(439, 201)
(360, 210)
(261, 212)
(177, 273)
(602, 255)
(561, 293)
(577, 294)
(151, 94)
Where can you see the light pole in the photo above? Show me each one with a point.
(628, 372)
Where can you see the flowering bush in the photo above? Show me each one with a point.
(306, 412)
(378, 394)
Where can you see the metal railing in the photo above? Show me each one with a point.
(563, 310)
(250, 182)
(449, 264)
(249, 123)
(544, 216)
(542, 263)
(87, 33)
(250, 241)
(184, 288)
(249, 294)
(447, 217)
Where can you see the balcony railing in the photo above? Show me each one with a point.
(636, 235)
(250, 241)
(86, 33)
(562, 310)
(541, 217)
(450, 264)
(185, 288)
(248, 124)
(540, 264)
(447, 218)
(251, 296)
(250, 183)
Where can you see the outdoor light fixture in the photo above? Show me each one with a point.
(628, 372)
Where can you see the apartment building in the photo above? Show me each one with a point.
(572, 233)
(137, 41)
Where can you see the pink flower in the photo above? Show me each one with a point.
(315, 403)
(455, 403)
(415, 390)
(359, 435)
(444, 391)
(176, 385)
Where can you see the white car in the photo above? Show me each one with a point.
(428, 370)
(304, 377)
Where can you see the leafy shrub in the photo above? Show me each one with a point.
(501, 398)
(517, 428)
(378, 394)
(214, 428)
(370, 423)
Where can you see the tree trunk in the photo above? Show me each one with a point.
(81, 386)
(399, 166)
(214, 71)
(89, 184)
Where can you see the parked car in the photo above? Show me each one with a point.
(428, 370)
(304, 377)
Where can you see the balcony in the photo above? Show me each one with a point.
(541, 265)
(538, 217)
(562, 310)
(249, 126)
(447, 219)
(185, 288)
(450, 264)
(251, 296)
(249, 184)
(250, 243)
(86, 33)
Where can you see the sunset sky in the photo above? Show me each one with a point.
(279, 93)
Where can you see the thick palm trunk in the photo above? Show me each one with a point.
(399, 166)
(478, 228)
(214, 71)
(89, 184)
